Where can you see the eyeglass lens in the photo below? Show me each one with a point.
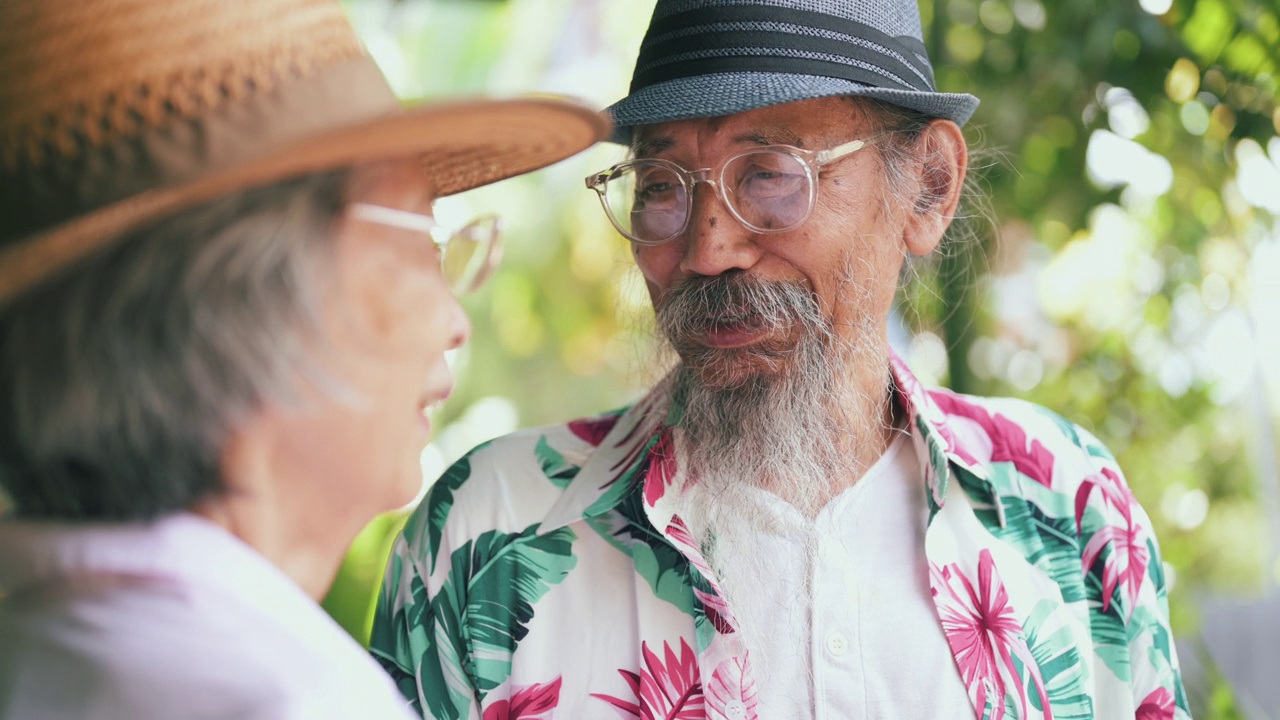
(767, 190)
(470, 255)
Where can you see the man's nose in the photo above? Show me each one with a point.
(715, 241)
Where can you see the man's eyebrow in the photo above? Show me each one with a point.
(651, 146)
(771, 136)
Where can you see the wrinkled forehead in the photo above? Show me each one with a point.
(808, 124)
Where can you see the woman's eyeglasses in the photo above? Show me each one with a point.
(468, 255)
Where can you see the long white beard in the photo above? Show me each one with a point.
(784, 422)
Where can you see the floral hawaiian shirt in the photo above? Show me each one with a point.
(547, 575)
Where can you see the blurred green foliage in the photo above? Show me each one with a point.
(1125, 277)
(1121, 274)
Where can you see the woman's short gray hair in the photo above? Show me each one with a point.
(125, 375)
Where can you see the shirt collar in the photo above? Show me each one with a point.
(943, 447)
(611, 470)
(181, 548)
(643, 441)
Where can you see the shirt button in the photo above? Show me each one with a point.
(735, 709)
(837, 644)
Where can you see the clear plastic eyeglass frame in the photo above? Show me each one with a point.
(468, 255)
(811, 160)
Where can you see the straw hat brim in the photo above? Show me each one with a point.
(463, 145)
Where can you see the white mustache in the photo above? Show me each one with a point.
(691, 308)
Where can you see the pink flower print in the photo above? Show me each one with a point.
(984, 635)
(593, 431)
(970, 440)
(679, 535)
(717, 611)
(662, 469)
(1009, 442)
(1157, 706)
(731, 694)
(1127, 564)
(528, 703)
(666, 688)
(907, 383)
(626, 708)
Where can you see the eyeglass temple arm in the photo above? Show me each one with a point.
(594, 182)
(840, 151)
(393, 217)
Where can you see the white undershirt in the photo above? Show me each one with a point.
(869, 643)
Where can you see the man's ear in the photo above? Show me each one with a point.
(944, 160)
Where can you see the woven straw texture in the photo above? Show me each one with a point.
(75, 75)
(116, 111)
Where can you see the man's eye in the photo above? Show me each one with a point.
(764, 179)
(656, 188)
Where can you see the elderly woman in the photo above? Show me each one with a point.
(224, 311)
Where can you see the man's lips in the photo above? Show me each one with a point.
(738, 333)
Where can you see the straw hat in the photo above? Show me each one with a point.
(706, 58)
(116, 111)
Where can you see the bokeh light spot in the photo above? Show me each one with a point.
(1026, 370)
(1183, 81)
(1215, 291)
(1126, 44)
(996, 16)
(1030, 14)
(1195, 117)
(927, 355)
(964, 43)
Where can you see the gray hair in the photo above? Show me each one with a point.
(125, 375)
(900, 153)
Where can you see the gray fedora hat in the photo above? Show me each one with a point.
(705, 58)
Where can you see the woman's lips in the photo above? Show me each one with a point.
(428, 404)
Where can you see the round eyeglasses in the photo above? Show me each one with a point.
(768, 189)
(468, 255)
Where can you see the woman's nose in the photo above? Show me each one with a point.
(459, 324)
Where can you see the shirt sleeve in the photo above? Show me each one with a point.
(1129, 606)
(417, 634)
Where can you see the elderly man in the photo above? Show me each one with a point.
(789, 525)
(224, 313)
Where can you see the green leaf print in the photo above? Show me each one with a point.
(661, 565)
(1065, 677)
(1108, 628)
(432, 645)
(435, 669)
(1068, 428)
(558, 470)
(438, 503)
(626, 483)
(459, 643)
(504, 575)
(1048, 542)
(938, 460)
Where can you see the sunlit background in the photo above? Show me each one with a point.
(1131, 281)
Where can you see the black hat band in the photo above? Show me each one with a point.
(688, 44)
